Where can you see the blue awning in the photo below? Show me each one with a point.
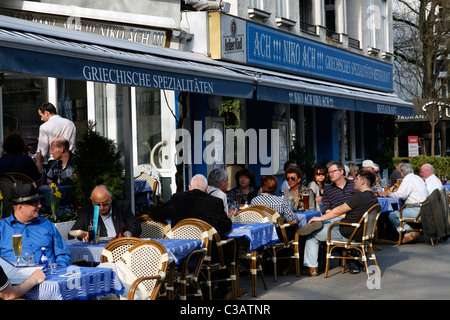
(315, 93)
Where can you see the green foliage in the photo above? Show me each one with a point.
(441, 165)
(304, 159)
(97, 161)
(231, 109)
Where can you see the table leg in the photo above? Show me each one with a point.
(170, 289)
(254, 273)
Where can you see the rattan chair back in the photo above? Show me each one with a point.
(153, 183)
(151, 228)
(148, 261)
(250, 215)
(114, 250)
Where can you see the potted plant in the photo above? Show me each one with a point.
(97, 161)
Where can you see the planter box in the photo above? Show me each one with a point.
(64, 228)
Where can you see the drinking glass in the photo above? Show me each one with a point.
(17, 245)
(57, 173)
(239, 198)
(305, 196)
(27, 256)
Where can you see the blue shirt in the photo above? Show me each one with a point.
(39, 233)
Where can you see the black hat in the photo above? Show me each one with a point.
(25, 193)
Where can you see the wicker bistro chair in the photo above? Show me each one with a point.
(368, 223)
(285, 244)
(186, 274)
(209, 267)
(148, 261)
(251, 215)
(153, 183)
(20, 178)
(152, 229)
(114, 250)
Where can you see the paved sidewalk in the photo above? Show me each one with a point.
(411, 271)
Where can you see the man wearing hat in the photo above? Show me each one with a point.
(37, 232)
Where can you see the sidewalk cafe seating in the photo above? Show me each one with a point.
(368, 224)
(151, 228)
(148, 262)
(251, 215)
(189, 271)
(432, 218)
(285, 244)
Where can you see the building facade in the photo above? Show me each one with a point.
(174, 83)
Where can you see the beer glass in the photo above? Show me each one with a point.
(306, 201)
(17, 245)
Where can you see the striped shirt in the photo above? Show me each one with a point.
(279, 204)
(333, 196)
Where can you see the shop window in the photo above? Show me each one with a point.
(148, 114)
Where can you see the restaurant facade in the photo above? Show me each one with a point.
(188, 86)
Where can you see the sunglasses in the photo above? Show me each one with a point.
(320, 174)
(291, 178)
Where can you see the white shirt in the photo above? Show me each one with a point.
(433, 182)
(412, 189)
(221, 195)
(55, 127)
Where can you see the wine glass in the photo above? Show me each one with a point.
(27, 256)
(17, 245)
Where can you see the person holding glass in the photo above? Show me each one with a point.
(297, 192)
(37, 232)
(246, 188)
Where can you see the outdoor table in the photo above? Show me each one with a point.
(77, 283)
(447, 187)
(387, 202)
(142, 192)
(304, 216)
(177, 249)
(258, 235)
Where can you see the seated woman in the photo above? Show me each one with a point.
(318, 183)
(295, 194)
(15, 158)
(269, 185)
(246, 188)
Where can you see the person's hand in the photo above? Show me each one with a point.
(84, 236)
(37, 277)
(313, 219)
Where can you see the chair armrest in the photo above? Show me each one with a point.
(136, 282)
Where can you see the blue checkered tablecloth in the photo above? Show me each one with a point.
(83, 284)
(177, 249)
(258, 234)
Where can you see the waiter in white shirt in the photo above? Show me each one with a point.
(54, 126)
(412, 190)
(432, 182)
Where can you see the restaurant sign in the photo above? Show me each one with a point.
(258, 45)
(148, 36)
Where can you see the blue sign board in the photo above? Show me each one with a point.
(275, 49)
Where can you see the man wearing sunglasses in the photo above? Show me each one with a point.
(37, 232)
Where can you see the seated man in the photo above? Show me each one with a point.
(115, 217)
(431, 181)
(59, 148)
(9, 292)
(195, 203)
(36, 232)
(354, 209)
(218, 184)
(413, 190)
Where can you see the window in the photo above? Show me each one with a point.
(282, 8)
(306, 18)
(257, 4)
(384, 27)
(330, 19)
(148, 124)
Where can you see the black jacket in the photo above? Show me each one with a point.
(193, 204)
(123, 219)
